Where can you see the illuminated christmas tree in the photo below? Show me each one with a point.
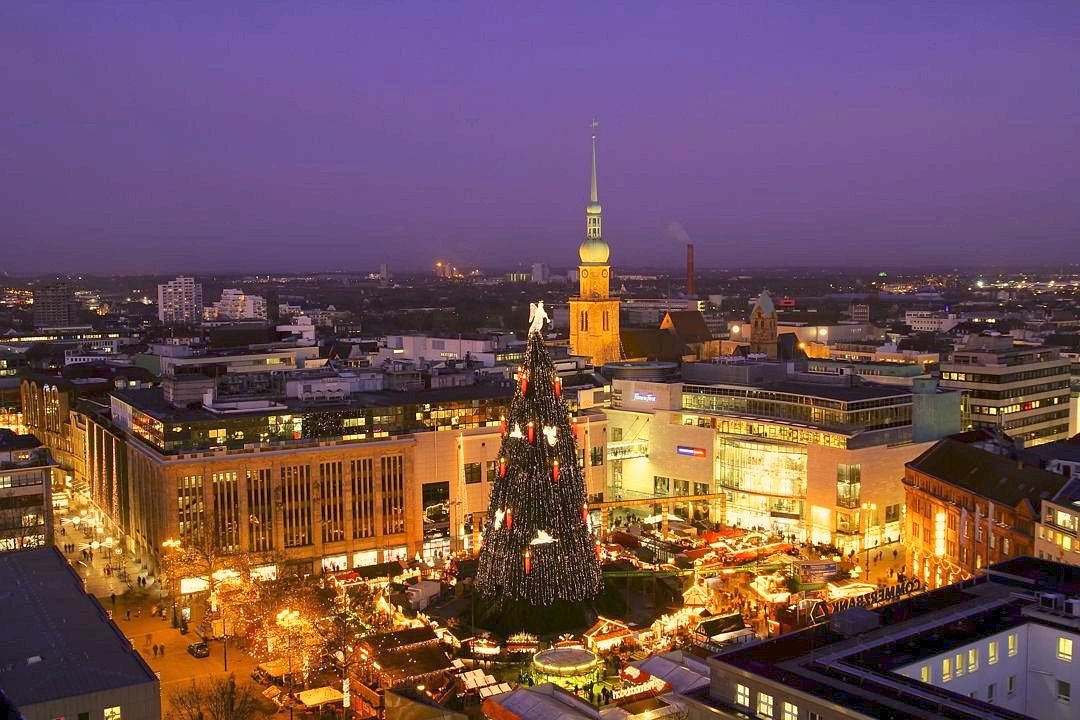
(538, 552)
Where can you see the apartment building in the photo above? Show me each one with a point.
(180, 301)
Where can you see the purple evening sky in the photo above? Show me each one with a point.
(153, 136)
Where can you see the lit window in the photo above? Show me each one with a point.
(1064, 651)
(764, 705)
(1012, 644)
(1064, 691)
(924, 673)
(992, 652)
(742, 696)
(791, 711)
(973, 659)
(112, 713)
(959, 664)
(946, 669)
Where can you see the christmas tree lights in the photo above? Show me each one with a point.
(538, 551)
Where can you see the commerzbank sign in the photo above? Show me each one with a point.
(876, 597)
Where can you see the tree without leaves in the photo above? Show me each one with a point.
(216, 699)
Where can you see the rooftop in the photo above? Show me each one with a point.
(58, 641)
(847, 392)
(152, 401)
(992, 476)
(856, 670)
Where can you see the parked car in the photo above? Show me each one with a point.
(199, 649)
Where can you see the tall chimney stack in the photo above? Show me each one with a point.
(690, 290)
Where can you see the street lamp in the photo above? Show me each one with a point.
(172, 545)
(287, 620)
(868, 511)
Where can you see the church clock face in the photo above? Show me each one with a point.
(603, 273)
(584, 273)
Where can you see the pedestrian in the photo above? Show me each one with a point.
(129, 614)
(155, 649)
(895, 553)
(113, 596)
(161, 649)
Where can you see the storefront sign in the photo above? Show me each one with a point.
(881, 595)
(644, 397)
(691, 451)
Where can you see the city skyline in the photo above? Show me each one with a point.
(858, 134)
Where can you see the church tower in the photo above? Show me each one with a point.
(594, 313)
(763, 331)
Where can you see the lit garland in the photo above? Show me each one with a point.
(537, 547)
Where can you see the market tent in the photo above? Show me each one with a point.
(320, 696)
(275, 668)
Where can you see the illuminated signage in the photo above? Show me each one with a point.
(881, 595)
(645, 397)
(652, 685)
(691, 451)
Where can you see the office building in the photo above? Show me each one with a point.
(745, 444)
(61, 656)
(180, 301)
(594, 312)
(1001, 647)
(54, 305)
(541, 273)
(25, 492)
(1021, 390)
(382, 476)
(969, 507)
(859, 313)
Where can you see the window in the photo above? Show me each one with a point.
(84, 716)
(765, 705)
(1012, 644)
(992, 653)
(892, 513)
(791, 711)
(1064, 691)
(742, 696)
(848, 483)
(472, 473)
(973, 659)
(596, 456)
(1064, 650)
(491, 467)
(1010, 687)
(990, 692)
(946, 670)
(812, 716)
(959, 664)
(924, 673)
(112, 713)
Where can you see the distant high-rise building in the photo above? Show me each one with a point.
(54, 305)
(763, 332)
(384, 272)
(541, 273)
(180, 301)
(594, 313)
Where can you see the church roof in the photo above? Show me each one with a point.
(651, 344)
(689, 325)
(765, 302)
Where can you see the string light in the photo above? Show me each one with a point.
(542, 552)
